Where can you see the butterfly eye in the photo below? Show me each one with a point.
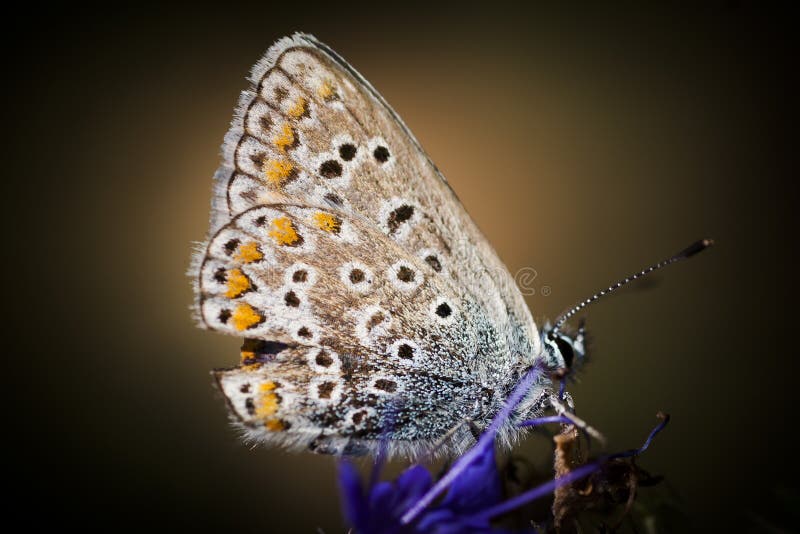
(566, 351)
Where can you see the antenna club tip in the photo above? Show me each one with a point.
(696, 247)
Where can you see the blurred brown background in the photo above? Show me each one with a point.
(585, 143)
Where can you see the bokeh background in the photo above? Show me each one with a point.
(586, 143)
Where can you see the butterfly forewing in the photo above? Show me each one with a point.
(320, 176)
(322, 278)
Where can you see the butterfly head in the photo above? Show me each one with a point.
(563, 350)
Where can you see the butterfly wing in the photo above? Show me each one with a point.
(314, 147)
(322, 278)
(306, 398)
(312, 131)
(365, 331)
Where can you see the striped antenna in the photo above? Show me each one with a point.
(688, 252)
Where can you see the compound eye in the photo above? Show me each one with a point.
(566, 351)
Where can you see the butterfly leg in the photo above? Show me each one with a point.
(473, 428)
(565, 409)
(447, 436)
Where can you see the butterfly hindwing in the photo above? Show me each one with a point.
(315, 399)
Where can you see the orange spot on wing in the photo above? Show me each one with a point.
(269, 405)
(269, 399)
(283, 232)
(286, 138)
(238, 283)
(327, 222)
(274, 425)
(249, 253)
(277, 171)
(244, 317)
(298, 109)
(269, 385)
(325, 91)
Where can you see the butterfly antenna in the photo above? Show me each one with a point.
(688, 252)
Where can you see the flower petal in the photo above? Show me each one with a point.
(479, 485)
(354, 502)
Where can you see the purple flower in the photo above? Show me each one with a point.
(380, 510)
(474, 490)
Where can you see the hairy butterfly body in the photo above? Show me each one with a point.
(371, 306)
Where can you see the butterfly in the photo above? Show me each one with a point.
(372, 308)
